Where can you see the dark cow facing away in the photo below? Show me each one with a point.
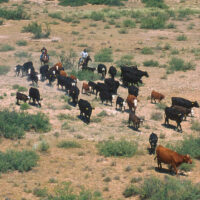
(18, 68)
(153, 139)
(34, 94)
(43, 71)
(121, 102)
(133, 90)
(102, 69)
(106, 96)
(85, 109)
(74, 93)
(112, 71)
(22, 97)
(167, 156)
(135, 120)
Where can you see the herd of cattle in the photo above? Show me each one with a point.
(131, 77)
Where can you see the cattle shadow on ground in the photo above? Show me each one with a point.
(34, 104)
(168, 171)
(71, 103)
(169, 126)
(134, 129)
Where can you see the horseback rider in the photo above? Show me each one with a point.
(84, 55)
(44, 52)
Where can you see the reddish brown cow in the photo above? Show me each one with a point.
(73, 77)
(63, 73)
(167, 156)
(132, 102)
(86, 88)
(156, 95)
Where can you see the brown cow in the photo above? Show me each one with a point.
(156, 95)
(132, 102)
(185, 111)
(135, 119)
(63, 73)
(86, 88)
(74, 78)
(167, 156)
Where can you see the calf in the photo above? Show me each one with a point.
(112, 71)
(133, 90)
(106, 96)
(132, 102)
(134, 119)
(93, 86)
(102, 69)
(85, 109)
(34, 94)
(22, 97)
(74, 93)
(153, 139)
(121, 102)
(18, 68)
(181, 109)
(167, 156)
(112, 85)
(74, 78)
(173, 114)
(86, 88)
(156, 95)
(63, 73)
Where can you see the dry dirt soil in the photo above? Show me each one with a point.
(84, 166)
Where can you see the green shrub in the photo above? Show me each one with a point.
(38, 192)
(86, 75)
(21, 43)
(171, 25)
(129, 23)
(62, 116)
(125, 60)
(147, 51)
(155, 3)
(131, 191)
(183, 13)
(56, 15)
(43, 146)
(161, 106)
(102, 114)
(157, 116)
(177, 64)
(151, 63)
(13, 125)
(68, 144)
(1, 22)
(123, 31)
(22, 54)
(4, 69)
(37, 31)
(97, 16)
(195, 125)
(2, 1)
(17, 160)
(6, 47)
(16, 14)
(182, 38)
(117, 148)
(104, 55)
(19, 88)
(174, 51)
(24, 106)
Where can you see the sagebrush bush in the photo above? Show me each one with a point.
(155, 3)
(21, 43)
(97, 16)
(86, 75)
(24, 106)
(22, 54)
(17, 160)
(104, 55)
(4, 69)
(68, 144)
(129, 23)
(43, 146)
(13, 124)
(147, 51)
(3, 1)
(151, 63)
(6, 47)
(56, 15)
(125, 60)
(157, 116)
(37, 30)
(40, 192)
(121, 148)
(182, 38)
(195, 125)
(131, 191)
(16, 14)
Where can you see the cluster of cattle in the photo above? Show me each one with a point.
(130, 76)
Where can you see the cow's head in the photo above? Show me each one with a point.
(187, 159)
(146, 74)
(195, 104)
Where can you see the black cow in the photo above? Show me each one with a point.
(102, 69)
(185, 111)
(133, 90)
(27, 67)
(34, 77)
(133, 70)
(153, 139)
(85, 109)
(51, 76)
(106, 96)
(131, 79)
(18, 68)
(34, 94)
(112, 71)
(175, 115)
(121, 102)
(43, 71)
(22, 97)
(112, 85)
(184, 102)
(66, 82)
(74, 93)
(101, 87)
(93, 85)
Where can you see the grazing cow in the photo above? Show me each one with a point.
(181, 109)
(106, 96)
(128, 78)
(18, 68)
(63, 73)
(133, 70)
(156, 95)
(93, 86)
(22, 97)
(167, 156)
(43, 71)
(132, 102)
(34, 94)
(85, 109)
(184, 102)
(27, 67)
(51, 76)
(135, 119)
(101, 87)
(153, 139)
(102, 69)
(112, 71)
(86, 88)
(34, 77)
(121, 102)
(133, 90)
(67, 82)
(175, 115)
(74, 93)
(112, 85)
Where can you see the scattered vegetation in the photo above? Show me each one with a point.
(129, 23)
(39, 192)
(13, 124)
(86, 75)
(19, 88)
(6, 47)
(117, 148)
(68, 144)
(157, 116)
(125, 60)
(104, 55)
(155, 3)
(24, 106)
(151, 63)
(147, 51)
(17, 160)
(4, 69)
(21, 43)
(195, 125)
(182, 38)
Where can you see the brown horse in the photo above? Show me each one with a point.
(44, 59)
(84, 64)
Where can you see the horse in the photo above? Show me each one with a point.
(44, 58)
(84, 64)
